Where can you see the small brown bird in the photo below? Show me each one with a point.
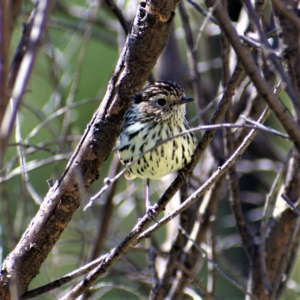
(157, 114)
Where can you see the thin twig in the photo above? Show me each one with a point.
(291, 204)
(203, 11)
(63, 280)
(115, 9)
(5, 36)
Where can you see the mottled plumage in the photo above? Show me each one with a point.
(156, 114)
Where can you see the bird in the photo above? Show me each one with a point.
(145, 145)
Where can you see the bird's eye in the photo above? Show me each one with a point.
(161, 101)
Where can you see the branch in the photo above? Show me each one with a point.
(4, 61)
(25, 64)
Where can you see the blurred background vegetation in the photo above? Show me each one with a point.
(75, 62)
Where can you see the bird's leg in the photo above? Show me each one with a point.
(148, 201)
(150, 209)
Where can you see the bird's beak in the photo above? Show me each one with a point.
(184, 100)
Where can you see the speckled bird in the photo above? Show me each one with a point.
(157, 114)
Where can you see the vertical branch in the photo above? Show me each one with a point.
(192, 59)
(225, 54)
(41, 14)
(233, 179)
(211, 214)
(4, 61)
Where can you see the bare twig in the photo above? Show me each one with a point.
(115, 9)
(291, 204)
(203, 11)
(5, 33)
(63, 280)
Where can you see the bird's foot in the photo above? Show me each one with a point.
(151, 211)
